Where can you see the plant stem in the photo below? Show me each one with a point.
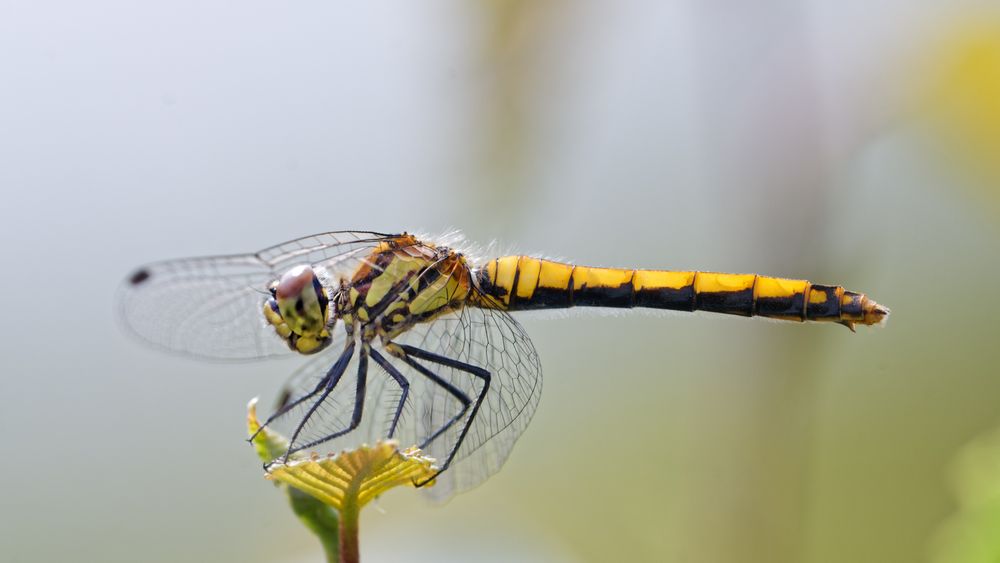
(349, 514)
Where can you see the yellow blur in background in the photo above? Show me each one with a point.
(959, 97)
(845, 143)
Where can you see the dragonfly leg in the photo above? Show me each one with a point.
(455, 392)
(461, 366)
(400, 379)
(330, 379)
(359, 406)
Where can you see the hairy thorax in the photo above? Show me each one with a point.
(401, 285)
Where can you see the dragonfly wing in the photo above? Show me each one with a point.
(493, 340)
(205, 307)
(211, 307)
(337, 250)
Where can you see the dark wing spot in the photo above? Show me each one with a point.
(139, 276)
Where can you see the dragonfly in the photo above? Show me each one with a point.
(412, 339)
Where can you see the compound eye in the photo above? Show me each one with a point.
(293, 282)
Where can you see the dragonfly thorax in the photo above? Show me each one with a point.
(299, 309)
(398, 288)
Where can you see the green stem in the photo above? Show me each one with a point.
(349, 514)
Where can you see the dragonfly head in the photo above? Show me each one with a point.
(298, 309)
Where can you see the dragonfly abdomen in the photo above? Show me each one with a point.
(525, 283)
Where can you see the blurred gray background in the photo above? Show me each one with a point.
(784, 138)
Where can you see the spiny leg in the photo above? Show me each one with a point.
(455, 392)
(340, 367)
(461, 366)
(330, 379)
(400, 379)
(359, 405)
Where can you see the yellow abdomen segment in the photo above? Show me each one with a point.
(524, 283)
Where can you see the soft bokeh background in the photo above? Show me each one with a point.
(846, 142)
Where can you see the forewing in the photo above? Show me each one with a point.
(337, 251)
(210, 307)
(206, 307)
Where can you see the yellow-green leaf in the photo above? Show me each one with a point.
(355, 477)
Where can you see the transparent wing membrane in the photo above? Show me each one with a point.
(493, 340)
(206, 307)
(328, 250)
(210, 307)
